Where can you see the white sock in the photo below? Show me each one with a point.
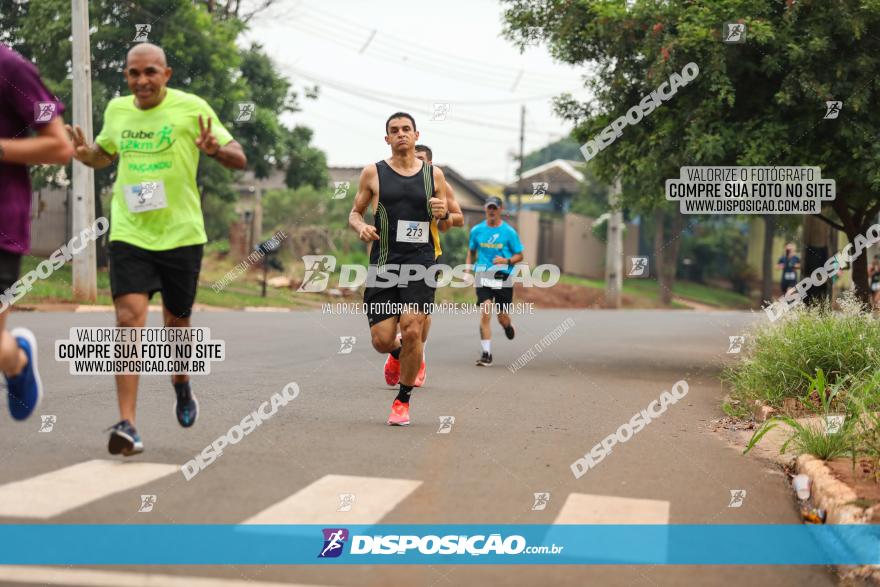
(487, 346)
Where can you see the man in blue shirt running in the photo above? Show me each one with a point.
(493, 243)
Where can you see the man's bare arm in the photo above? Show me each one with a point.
(362, 199)
(456, 217)
(231, 155)
(92, 155)
(438, 202)
(50, 147)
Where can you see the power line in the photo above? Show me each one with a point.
(430, 52)
(381, 116)
(406, 60)
(366, 94)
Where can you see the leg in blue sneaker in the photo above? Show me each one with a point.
(24, 387)
(187, 407)
(124, 440)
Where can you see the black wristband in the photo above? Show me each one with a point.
(446, 217)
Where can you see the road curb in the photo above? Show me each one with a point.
(836, 498)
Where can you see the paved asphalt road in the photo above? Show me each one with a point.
(513, 435)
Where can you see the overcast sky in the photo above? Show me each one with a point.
(420, 54)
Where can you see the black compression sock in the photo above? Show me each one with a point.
(396, 352)
(403, 394)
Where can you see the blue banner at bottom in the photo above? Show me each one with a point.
(524, 544)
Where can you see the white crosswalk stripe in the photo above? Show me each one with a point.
(54, 493)
(583, 508)
(320, 502)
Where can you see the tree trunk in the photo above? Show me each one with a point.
(859, 268)
(767, 258)
(670, 260)
(658, 248)
(815, 254)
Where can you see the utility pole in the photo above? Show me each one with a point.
(519, 183)
(614, 249)
(85, 287)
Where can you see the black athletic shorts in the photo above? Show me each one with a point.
(502, 296)
(174, 272)
(10, 267)
(384, 302)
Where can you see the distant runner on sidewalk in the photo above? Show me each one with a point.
(790, 263)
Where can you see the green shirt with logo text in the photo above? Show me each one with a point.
(158, 145)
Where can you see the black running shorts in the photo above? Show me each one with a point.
(174, 272)
(384, 302)
(503, 296)
(10, 267)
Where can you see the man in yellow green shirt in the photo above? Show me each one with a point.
(157, 231)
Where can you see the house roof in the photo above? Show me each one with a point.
(561, 175)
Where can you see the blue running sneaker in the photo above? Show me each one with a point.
(124, 440)
(187, 407)
(25, 389)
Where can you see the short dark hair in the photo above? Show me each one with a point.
(400, 115)
(427, 150)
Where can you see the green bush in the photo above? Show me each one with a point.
(812, 437)
(778, 356)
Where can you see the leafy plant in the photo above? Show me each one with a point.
(814, 438)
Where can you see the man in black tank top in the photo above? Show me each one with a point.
(407, 197)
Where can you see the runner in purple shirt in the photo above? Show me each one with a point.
(31, 133)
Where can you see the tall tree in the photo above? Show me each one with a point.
(199, 39)
(761, 102)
